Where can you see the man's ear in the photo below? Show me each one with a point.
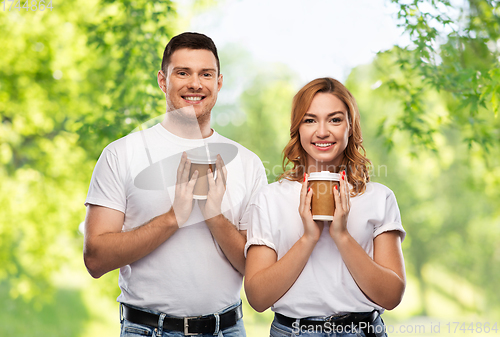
(219, 82)
(162, 81)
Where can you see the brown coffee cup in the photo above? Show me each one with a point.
(200, 190)
(201, 161)
(323, 201)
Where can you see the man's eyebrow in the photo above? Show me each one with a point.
(189, 69)
(181, 68)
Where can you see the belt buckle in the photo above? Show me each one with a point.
(334, 319)
(186, 327)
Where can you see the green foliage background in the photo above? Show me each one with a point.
(84, 74)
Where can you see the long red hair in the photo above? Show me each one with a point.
(354, 162)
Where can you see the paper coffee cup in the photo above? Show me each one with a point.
(323, 201)
(201, 160)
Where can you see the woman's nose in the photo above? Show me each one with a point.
(322, 130)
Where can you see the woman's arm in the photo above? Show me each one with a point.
(268, 279)
(382, 279)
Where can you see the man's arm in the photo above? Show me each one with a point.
(231, 241)
(106, 247)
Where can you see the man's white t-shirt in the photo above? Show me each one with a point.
(325, 286)
(187, 275)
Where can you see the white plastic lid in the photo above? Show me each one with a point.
(324, 175)
(201, 155)
(323, 217)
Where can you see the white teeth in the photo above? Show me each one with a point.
(193, 98)
(323, 144)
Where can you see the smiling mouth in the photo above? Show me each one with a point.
(193, 99)
(324, 145)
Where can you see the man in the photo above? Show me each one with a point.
(181, 260)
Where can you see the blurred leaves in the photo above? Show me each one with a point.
(75, 79)
(454, 50)
(84, 77)
(126, 41)
(43, 168)
(255, 104)
(453, 224)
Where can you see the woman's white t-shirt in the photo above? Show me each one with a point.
(325, 286)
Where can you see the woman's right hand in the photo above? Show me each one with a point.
(312, 229)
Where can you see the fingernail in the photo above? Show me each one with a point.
(336, 186)
(309, 189)
(342, 179)
(343, 173)
(305, 174)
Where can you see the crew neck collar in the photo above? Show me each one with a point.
(185, 141)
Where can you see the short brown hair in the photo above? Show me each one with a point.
(190, 41)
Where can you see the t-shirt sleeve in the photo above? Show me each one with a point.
(106, 187)
(258, 181)
(259, 231)
(392, 218)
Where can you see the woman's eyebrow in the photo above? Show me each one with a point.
(308, 114)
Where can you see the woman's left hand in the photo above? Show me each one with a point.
(338, 227)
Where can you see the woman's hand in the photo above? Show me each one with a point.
(312, 229)
(338, 227)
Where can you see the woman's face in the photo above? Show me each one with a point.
(324, 132)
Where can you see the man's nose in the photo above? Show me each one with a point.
(194, 82)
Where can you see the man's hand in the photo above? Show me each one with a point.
(216, 189)
(183, 202)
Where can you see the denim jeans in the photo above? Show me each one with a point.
(279, 330)
(129, 329)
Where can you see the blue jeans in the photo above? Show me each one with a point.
(279, 330)
(129, 329)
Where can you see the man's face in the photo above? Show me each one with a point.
(191, 82)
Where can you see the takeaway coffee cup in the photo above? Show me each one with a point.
(323, 202)
(201, 160)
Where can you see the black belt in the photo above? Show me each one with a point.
(352, 319)
(188, 325)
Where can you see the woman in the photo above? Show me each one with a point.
(323, 278)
